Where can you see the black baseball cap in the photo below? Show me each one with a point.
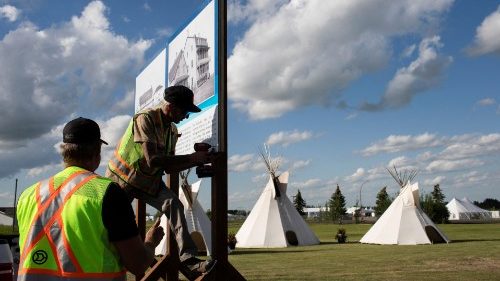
(82, 131)
(182, 97)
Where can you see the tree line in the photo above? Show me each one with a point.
(433, 204)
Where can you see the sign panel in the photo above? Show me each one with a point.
(150, 83)
(192, 53)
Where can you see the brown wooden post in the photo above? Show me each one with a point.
(223, 269)
(167, 267)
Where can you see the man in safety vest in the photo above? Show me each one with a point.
(77, 224)
(147, 151)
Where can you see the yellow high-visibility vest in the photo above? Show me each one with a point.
(61, 232)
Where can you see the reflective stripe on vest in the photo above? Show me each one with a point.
(128, 157)
(48, 222)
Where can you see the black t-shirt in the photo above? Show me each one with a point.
(117, 214)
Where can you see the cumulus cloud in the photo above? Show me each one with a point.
(300, 164)
(310, 183)
(286, 138)
(313, 49)
(486, 102)
(356, 176)
(9, 12)
(54, 75)
(111, 131)
(239, 163)
(443, 165)
(397, 143)
(53, 72)
(487, 39)
(422, 74)
(434, 181)
(472, 146)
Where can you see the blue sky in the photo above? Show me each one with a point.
(340, 90)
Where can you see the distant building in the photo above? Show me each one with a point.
(314, 212)
(365, 211)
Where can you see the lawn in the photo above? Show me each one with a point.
(473, 254)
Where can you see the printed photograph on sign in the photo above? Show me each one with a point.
(150, 83)
(191, 56)
(191, 63)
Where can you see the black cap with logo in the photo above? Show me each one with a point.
(82, 131)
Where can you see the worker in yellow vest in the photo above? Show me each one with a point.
(77, 224)
(147, 151)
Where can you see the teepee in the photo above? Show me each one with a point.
(404, 222)
(199, 225)
(274, 222)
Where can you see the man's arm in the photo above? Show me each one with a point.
(136, 255)
(119, 219)
(173, 163)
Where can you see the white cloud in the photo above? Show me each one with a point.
(126, 104)
(165, 32)
(61, 69)
(245, 162)
(56, 74)
(401, 162)
(487, 38)
(286, 138)
(437, 180)
(472, 146)
(146, 7)
(358, 175)
(398, 143)
(111, 131)
(314, 49)
(300, 164)
(486, 102)
(310, 183)
(9, 12)
(36, 171)
(408, 51)
(443, 165)
(422, 74)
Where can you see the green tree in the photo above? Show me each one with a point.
(383, 202)
(427, 204)
(337, 205)
(441, 213)
(299, 203)
(434, 206)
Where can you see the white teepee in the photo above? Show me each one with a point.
(466, 210)
(198, 223)
(274, 222)
(404, 223)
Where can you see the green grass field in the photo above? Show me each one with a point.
(474, 254)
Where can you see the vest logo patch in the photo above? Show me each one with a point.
(39, 257)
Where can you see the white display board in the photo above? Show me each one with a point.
(191, 55)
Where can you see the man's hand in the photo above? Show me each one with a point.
(201, 157)
(154, 234)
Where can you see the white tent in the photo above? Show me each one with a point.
(404, 223)
(274, 222)
(4, 219)
(466, 210)
(198, 223)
